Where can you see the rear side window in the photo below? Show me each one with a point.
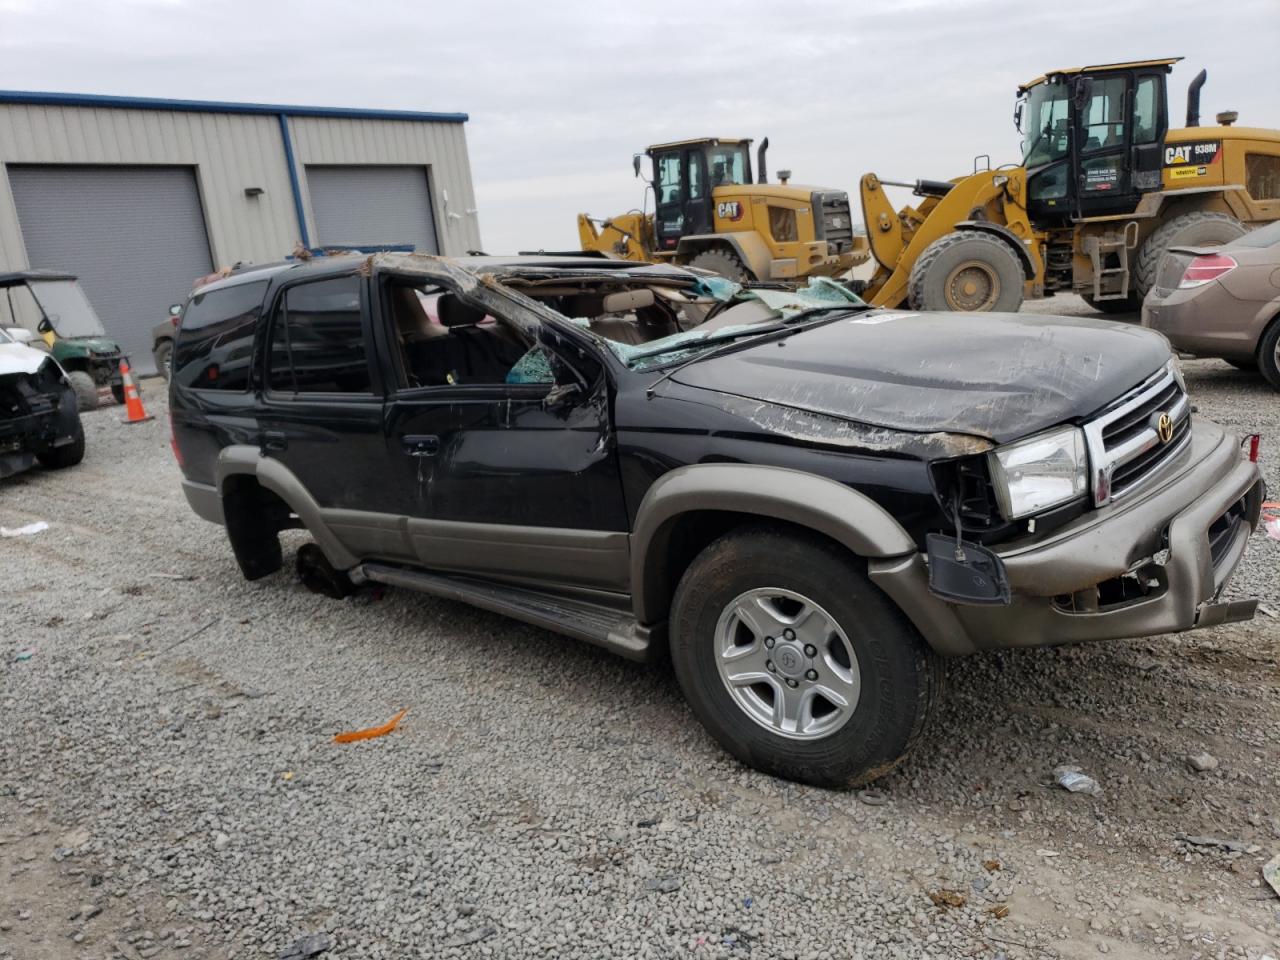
(214, 350)
(317, 340)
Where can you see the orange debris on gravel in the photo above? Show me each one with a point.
(371, 732)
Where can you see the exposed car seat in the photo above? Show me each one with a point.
(469, 352)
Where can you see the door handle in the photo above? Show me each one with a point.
(274, 440)
(420, 444)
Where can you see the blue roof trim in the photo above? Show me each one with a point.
(216, 106)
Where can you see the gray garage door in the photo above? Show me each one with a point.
(135, 237)
(354, 205)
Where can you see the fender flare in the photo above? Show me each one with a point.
(245, 460)
(1008, 236)
(779, 493)
(750, 248)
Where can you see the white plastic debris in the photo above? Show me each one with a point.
(1070, 778)
(1271, 873)
(31, 528)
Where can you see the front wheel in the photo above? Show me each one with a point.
(795, 662)
(967, 271)
(722, 261)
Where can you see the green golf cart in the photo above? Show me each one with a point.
(54, 306)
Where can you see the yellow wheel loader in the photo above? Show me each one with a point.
(1103, 191)
(708, 213)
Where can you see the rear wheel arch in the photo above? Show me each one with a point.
(260, 496)
(692, 506)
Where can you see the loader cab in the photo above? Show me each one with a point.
(684, 176)
(1093, 139)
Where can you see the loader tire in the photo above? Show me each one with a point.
(724, 262)
(966, 271)
(1200, 228)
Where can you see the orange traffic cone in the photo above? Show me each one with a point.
(134, 413)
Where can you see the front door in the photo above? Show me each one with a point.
(668, 188)
(1120, 126)
(497, 475)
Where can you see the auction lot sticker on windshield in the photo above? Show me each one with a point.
(883, 318)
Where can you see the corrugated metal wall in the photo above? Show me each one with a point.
(229, 153)
(442, 146)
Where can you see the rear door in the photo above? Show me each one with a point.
(321, 403)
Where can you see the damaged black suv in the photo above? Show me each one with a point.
(803, 499)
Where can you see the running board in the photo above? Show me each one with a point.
(595, 623)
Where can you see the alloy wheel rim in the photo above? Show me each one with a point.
(787, 664)
(973, 285)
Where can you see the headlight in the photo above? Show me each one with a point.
(1043, 471)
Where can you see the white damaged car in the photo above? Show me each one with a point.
(38, 416)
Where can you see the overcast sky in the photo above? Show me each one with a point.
(561, 94)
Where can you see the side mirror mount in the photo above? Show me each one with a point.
(561, 395)
(635, 164)
(175, 309)
(1017, 116)
(1082, 92)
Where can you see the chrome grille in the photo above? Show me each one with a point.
(833, 221)
(1125, 446)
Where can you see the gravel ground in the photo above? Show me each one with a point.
(169, 786)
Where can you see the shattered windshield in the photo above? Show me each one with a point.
(68, 309)
(736, 312)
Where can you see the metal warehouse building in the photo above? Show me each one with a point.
(139, 197)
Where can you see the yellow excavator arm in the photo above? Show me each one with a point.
(991, 201)
(623, 238)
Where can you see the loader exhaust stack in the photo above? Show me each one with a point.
(762, 175)
(1193, 98)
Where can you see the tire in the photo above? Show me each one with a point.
(1269, 354)
(319, 576)
(966, 271)
(1199, 228)
(164, 358)
(898, 677)
(86, 390)
(1129, 304)
(724, 262)
(68, 455)
(117, 392)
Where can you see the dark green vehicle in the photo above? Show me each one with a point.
(54, 306)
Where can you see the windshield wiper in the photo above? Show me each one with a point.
(773, 327)
(732, 340)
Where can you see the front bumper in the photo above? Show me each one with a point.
(1153, 564)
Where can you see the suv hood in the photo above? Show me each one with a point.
(19, 358)
(1000, 376)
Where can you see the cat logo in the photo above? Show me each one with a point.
(729, 210)
(1192, 154)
